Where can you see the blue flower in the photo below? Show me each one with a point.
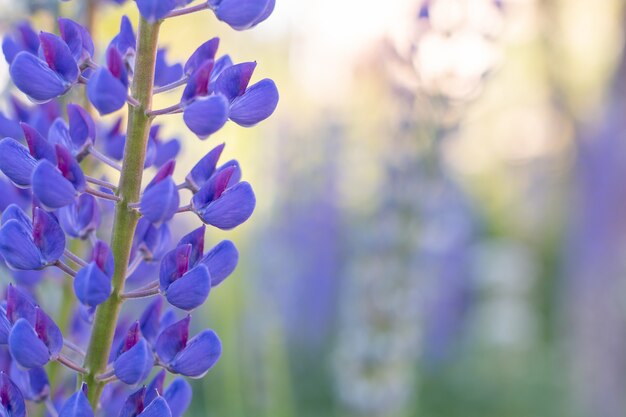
(107, 88)
(57, 186)
(11, 399)
(221, 204)
(77, 405)
(92, 283)
(34, 338)
(135, 405)
(134, 360)
(160, 199)
(81, 218)
(22, 38)
(190, 357)
(28, 245)
(47, 78)
(242, 14)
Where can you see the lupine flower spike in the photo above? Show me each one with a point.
(106, 241)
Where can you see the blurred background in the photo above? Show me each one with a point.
(441, 228)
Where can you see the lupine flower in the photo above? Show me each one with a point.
(137, 405)
(34, 339)
(81, 218)
(242, 14)
(108, 86)
(47, 78)
(77, 405)
(160, 199)
(57, 186)
(27, 244)
(23, 38)
(223, 205)
(41, 155)
(178, 394)
(134, 360)
(190, 357)
(33, 383)
(11, 399)
(187, 274)
(164, 73)
(207, 167)
(92, 283)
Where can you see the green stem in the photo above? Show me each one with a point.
(125, 217)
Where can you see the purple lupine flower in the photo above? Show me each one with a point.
(77, 405)
(187, 273)
(135, 405)
(190, 357)
(107, 88)
(57, 186)
(134, 360)
(92, 283)
(223, 205)
(164, 73)
(242, 14)
(77, 39)
(11, 399)
(33, 383)
(177, 395)
(160, 199)
(29, 245)
(81, 218)
(23, 38)
(34, 339)
(46, 176)
(43, 79)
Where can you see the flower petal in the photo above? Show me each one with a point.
(80, 218)
(234, 80)
(206, 116)
(106, 93)
(241, 14)
(134, 365)
(191, 290)
(92, 286)
(26, 347)
(221, 261)
(154, 10)
(10, 397)
(82, 127)
(201, 353)
(77, 406)
(232, 208)
(16, 162)
(205, 52)
(48, 236)
(172, 340)
(178, 396)
(58, 56)
(203, 170)
(257, 104)
(160, 202)
(32, 383)
(77, 39)
(51, 187)
(18, 248)
(150, 320)
(157, 408)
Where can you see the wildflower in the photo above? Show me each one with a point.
(92, 283)
(47, 78)
(133, 361)
(190, 357)
(29, 245)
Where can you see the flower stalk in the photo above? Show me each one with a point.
(126, 218)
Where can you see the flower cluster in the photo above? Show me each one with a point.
(55, 202)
